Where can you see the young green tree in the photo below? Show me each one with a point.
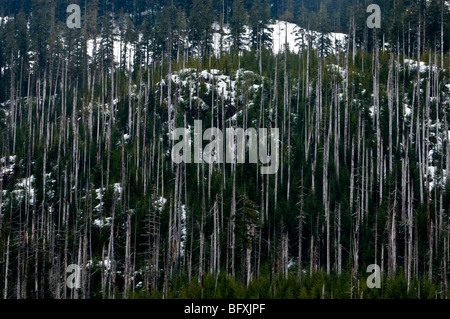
(23, 45)
(238, 21)
(246, 220)
(324, 28)
(201, 19)
(258, 21)
(106, 53)
(40, 29)
(22, 38)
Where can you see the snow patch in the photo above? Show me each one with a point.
(159, 203)
(102, 222)
(407, 110)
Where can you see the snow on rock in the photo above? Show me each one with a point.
(7, 166)
(292, 262)
(5, 19)
(448, 86)
(117, 188)
(160, 203)
(99, 193)
(11, 159)
(102, 222)
(372, 111)
(413, 65)
(407, 110)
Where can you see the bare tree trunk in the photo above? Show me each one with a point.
(300, 232)
(339, 245)
(276, 126)
(352, 175)
(127, 271)
(5, 289)
(390, 107)
(410, 231)
(430, 253)
(285, 254)
(326, 203)
(232, 222)
(392, 236)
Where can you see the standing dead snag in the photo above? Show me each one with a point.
(300, 232)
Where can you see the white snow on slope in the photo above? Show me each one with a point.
(290, 33)
(282, 33)
(118, 48)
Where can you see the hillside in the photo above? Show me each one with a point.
(353, 121)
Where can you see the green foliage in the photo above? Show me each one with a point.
(238, 20)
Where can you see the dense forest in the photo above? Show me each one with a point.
(86, 170)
